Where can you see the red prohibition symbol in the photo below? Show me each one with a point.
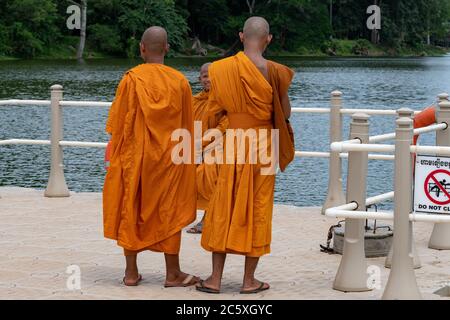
(435, 188)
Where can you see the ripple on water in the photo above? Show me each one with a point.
(382, 83)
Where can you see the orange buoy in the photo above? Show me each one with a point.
(423, 119)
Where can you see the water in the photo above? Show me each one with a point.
(378, 83)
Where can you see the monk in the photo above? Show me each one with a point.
(147, 199)
(239, 219)
(206, 173)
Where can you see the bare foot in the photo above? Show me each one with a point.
(132, 280)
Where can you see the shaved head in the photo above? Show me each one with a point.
(154, 39)
(256, 28)
(204, 67)
(204, 76)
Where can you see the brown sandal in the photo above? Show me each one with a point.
(186, 282)
(206, 289)
(197, 229)
(257, 290)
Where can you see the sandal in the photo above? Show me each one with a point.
(186, 282)
(203, 288)
(257, 290)
(197, 229)
(132, 284)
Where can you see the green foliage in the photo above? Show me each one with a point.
(30, 28)
(132, 47)
(106, 38)
(137, 15)
(25, 43)
(361, 47)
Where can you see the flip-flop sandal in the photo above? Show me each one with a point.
(139, 279)
(197, 229)
(257, 290)
(186, 283)
(202, 288)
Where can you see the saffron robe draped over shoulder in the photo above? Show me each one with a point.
(147, 198)
(239, 218)
(207, 173)
(199, 104)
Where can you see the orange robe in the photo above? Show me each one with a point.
(199, 104)
(239, 218)
(207, 173)
(147, 199)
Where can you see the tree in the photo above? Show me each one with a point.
(30, 32)
(137, 15)
(30, 28)
(82, 43)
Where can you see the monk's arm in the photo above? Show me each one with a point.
(117, 108)
(223, 123)
(286, 104)
(222, 126)
(213, 106)
(285, 78)
(188, 115)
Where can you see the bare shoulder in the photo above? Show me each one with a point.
(263, 66)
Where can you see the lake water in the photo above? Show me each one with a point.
(378, 83)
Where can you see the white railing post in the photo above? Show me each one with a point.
(335, 194)
(352, 273)
(402, 283)
(406, 113)
(442, 97)
(56, 186)
(440, 237)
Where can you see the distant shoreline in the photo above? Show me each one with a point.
(293, 56)
(333, 49)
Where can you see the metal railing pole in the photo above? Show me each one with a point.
(406, 113)
(352, 273)
(56, 186)
(335, 194)
(440, 237)
(402, 283)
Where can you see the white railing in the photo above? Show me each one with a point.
(356, 150)
(377, 112)
(56, 103)
(335, 113)
(402, 283)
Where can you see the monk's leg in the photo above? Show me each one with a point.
(250, 283)
(174, 276)
(132, 276)
(218, 263)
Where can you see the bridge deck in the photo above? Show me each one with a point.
(41, 237)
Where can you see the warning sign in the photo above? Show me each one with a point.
(432, 184)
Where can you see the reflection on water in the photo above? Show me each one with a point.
(383, 83)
